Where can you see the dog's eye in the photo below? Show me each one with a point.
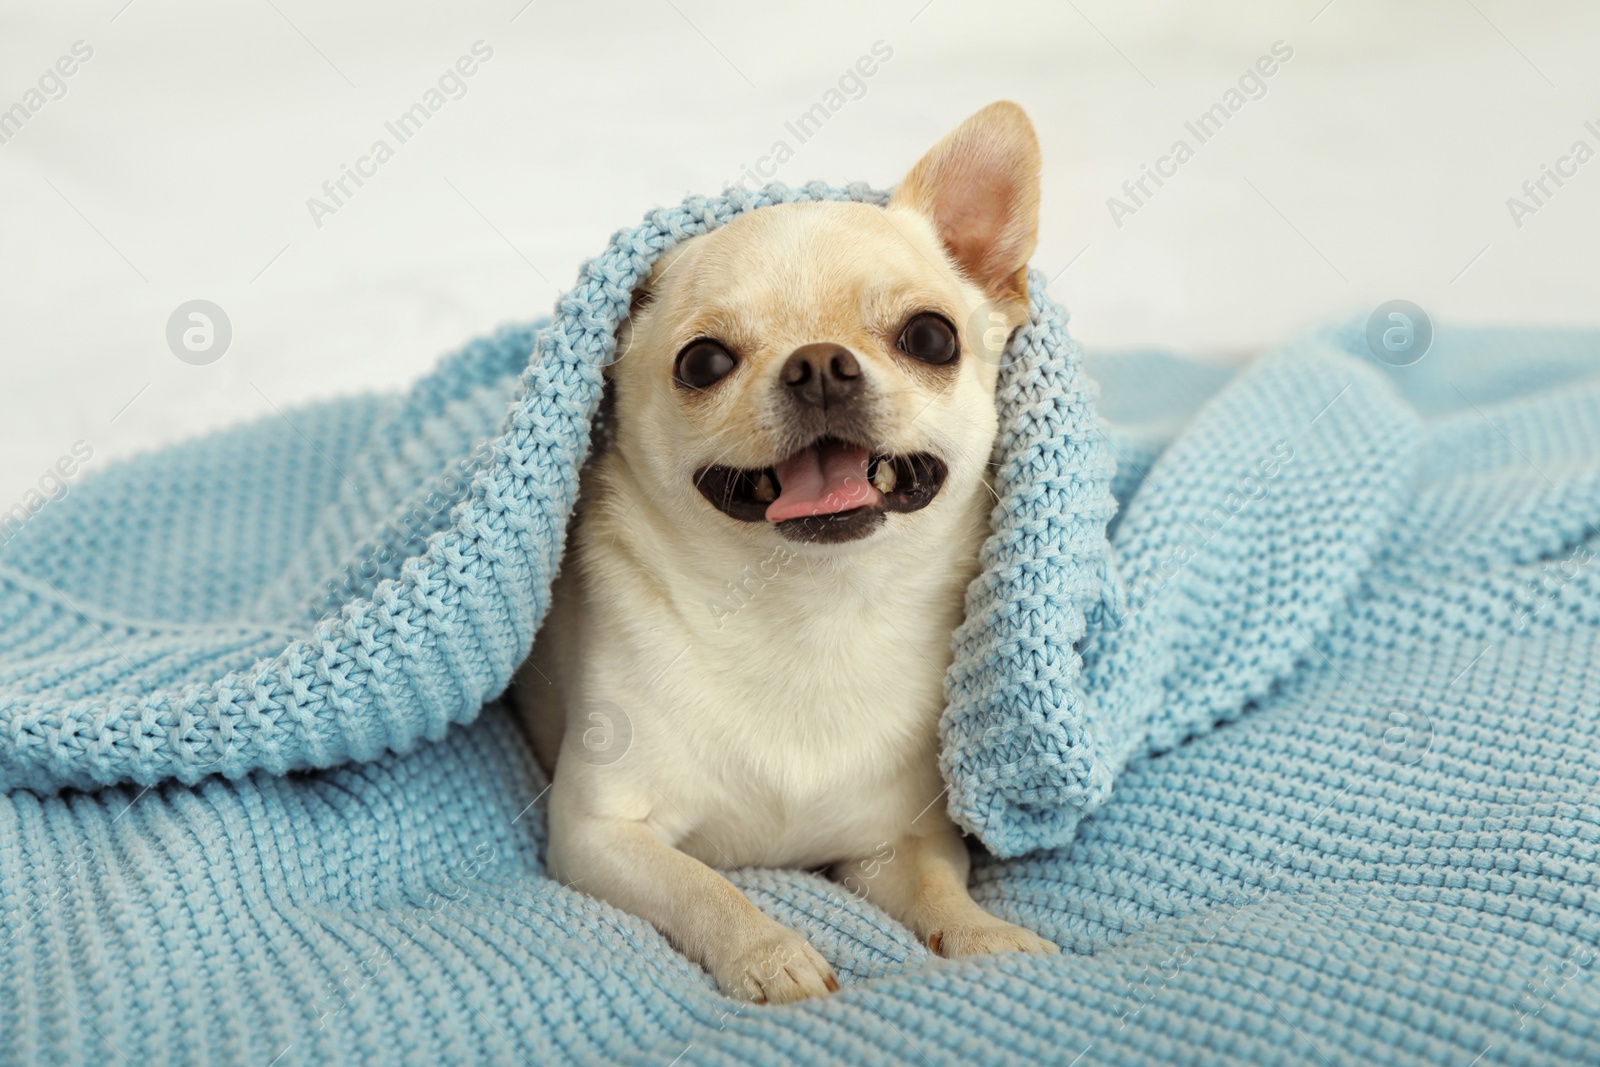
(704, 363)
(929, 338)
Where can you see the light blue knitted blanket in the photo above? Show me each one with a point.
(1376, 581)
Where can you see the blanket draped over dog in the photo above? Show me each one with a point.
(1274, 706)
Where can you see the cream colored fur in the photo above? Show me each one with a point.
(712, 695)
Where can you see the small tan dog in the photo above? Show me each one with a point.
(744, 661)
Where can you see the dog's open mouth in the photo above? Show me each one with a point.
(829, 491)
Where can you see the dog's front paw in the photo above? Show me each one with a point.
(774, 966)
(986, 936)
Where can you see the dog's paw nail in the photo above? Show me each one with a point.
(775, 967)
(982, 939)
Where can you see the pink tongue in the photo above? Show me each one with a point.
(822, 481)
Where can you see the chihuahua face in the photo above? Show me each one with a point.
(743, 663)
(818, 371)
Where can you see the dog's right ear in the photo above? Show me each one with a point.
(980, 189)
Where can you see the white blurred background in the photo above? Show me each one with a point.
(178, 163)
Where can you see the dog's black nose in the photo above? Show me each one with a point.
(822, 374)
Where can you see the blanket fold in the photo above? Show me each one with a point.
(1246, 540)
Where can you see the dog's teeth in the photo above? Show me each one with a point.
(764, 491)
(883, 476)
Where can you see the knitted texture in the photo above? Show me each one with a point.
(404, 580)
(1376, 580)
(1022, 752)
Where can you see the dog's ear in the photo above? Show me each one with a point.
(980, 189)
